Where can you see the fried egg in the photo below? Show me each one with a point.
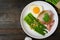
(36, 10)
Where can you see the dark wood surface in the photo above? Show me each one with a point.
(10, 28)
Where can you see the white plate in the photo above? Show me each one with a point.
(26, 27)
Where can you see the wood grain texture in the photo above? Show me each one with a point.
(10, 28)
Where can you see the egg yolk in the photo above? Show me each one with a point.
(36, 10)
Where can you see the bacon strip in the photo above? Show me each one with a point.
(49, 26)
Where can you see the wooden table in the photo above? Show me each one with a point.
(10, 28)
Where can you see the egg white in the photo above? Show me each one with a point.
(31, 10)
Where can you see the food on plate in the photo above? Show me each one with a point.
(50, 24)
(35, 24)
(46, 17)
(39, 20)
(36, 10)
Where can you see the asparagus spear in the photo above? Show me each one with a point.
(55, 2)
(35, 24)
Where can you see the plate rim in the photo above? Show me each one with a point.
(32, 35)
